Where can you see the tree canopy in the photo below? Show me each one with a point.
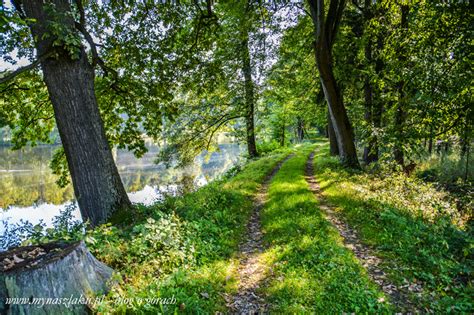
(395, 76)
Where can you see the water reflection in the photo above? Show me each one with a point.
(28, 190)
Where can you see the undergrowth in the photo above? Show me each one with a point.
(182, 248)
(413, 225)
(453, 173)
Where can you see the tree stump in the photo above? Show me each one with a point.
(55, 278)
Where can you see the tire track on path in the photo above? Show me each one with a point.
(252, 271)
(365, 255)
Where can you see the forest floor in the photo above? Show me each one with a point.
(294, 232)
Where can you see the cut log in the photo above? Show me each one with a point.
(55, 278)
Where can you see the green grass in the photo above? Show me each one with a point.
(412, 225)
(184, 247)
(313, 271)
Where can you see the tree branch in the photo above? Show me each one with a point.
(31, 66)
(214, 131)
(17, 4)
(96, 60)
(455, 122)
(95, 55)
(223, 119)
(357, 5)
(300, 6)
(330, 20)
(337, 21)
(14, 86)
(81, 27)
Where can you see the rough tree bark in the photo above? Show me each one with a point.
(326, 26)
(333, 148)
(249, 93)
(70, 82)
(55, 271)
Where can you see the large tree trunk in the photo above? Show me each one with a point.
(339, 118)
(249, 94)
(67, 273)
(325, 32)
(70, 82)
(333, 148)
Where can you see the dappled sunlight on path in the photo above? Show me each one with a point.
(252, 269)
(364, 254)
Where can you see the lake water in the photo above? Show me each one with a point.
(28, 189)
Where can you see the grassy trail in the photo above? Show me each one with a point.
(251, 268)
(312, 270)
(399, 296)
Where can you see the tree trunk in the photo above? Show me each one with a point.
(400, 114)
(339, 118)
(333, 148)
(70, 82)
(377, 105)
(300, 129)
(377, 123)
(249, 94)
(282, 135)
(466, 147)
(325, 32)
(33, 274)
(446, 147)
(370, 151)
(430, 141)
(465, 141)
(399, 121)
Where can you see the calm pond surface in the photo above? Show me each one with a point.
(28, 189)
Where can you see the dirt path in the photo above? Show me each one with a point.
(366, 256)
(252, 271)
